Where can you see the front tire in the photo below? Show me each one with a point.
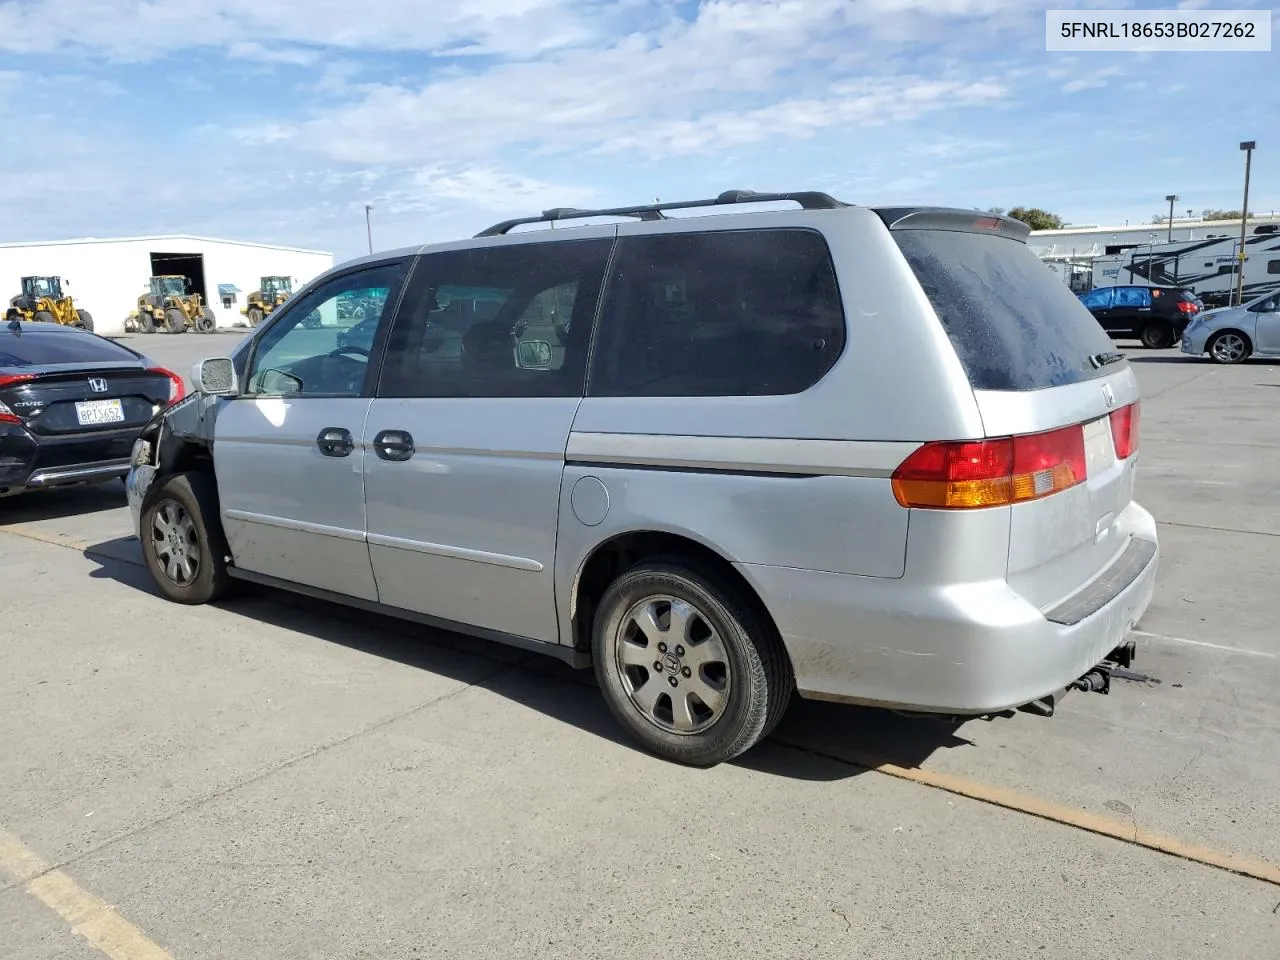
(254, 316)
(687, 663)
(85, 319)
(1229, 347)
(1158, 335)
(44, 316)
(175, 320)
(182, 540)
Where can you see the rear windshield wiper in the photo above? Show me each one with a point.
(1100, 360)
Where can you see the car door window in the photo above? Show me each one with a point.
(320, 345)
(1132, 297)
(505, 321)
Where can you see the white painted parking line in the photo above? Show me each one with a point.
(1243, 651)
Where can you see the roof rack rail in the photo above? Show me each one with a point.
(808, 200)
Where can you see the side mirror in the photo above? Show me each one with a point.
(216, 377)
(533, 355)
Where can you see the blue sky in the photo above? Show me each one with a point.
(278, 120)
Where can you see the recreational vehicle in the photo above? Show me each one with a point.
(1208, 267)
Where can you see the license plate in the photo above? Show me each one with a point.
(1099, 449)
(92, 413)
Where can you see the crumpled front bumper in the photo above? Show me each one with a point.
(136, 484)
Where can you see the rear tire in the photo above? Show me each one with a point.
(1158, 335)
(175, 321)
(182, 540)
(146, 322)
(206, 322)
(1229, 347)
(86, 320)
(706, 646)
(44, 316)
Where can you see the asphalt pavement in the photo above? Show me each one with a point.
(278, 778)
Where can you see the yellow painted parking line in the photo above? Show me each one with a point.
(1126, 831)
(32, 533)
(88, 916)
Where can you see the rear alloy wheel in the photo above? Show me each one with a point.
(1229, 347)
(184, 554)
(85, 319)
(206, 322)
(175, 321)
(687, 664)
(1158, 335)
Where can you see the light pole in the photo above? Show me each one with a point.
(1247, 146)
(368, 225)
(1172, 200)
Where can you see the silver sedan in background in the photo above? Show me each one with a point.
(1233, 334)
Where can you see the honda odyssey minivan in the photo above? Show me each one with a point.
(876, 455)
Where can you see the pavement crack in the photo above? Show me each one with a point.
(1205, 526)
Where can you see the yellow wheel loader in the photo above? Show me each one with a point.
(271, 293)
(169, 305)
(42, 301)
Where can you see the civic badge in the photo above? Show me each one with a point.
(1108, 395)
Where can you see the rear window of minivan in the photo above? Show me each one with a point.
(1012, 321)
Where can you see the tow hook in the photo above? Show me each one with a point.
(1097, 680)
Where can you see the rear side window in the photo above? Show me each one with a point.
(30, 348)
(1133, 297)
(1013, 324)
(719, 314)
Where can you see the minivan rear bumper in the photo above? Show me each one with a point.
(965, 648)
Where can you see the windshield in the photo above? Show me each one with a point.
(173, 286)
(273, 285)
(46, 287)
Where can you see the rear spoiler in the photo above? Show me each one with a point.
(946, 218)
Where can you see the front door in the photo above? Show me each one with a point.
(466, 437)
(1268, 324)
(287, 452)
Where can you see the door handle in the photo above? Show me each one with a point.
(394, 445)
(335, 442)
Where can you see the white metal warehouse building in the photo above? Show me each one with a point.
(105, 276)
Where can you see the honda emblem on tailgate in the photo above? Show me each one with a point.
(99, 385)
(1108, 394)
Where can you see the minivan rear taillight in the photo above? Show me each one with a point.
(1124, 430)
(964, 474)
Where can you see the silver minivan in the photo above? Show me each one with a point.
(870, 455)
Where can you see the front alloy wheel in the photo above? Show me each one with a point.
(182, 540)
(1228, 347)
(175, 542)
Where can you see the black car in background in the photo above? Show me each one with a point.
(71, 405)
(1155, 315)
